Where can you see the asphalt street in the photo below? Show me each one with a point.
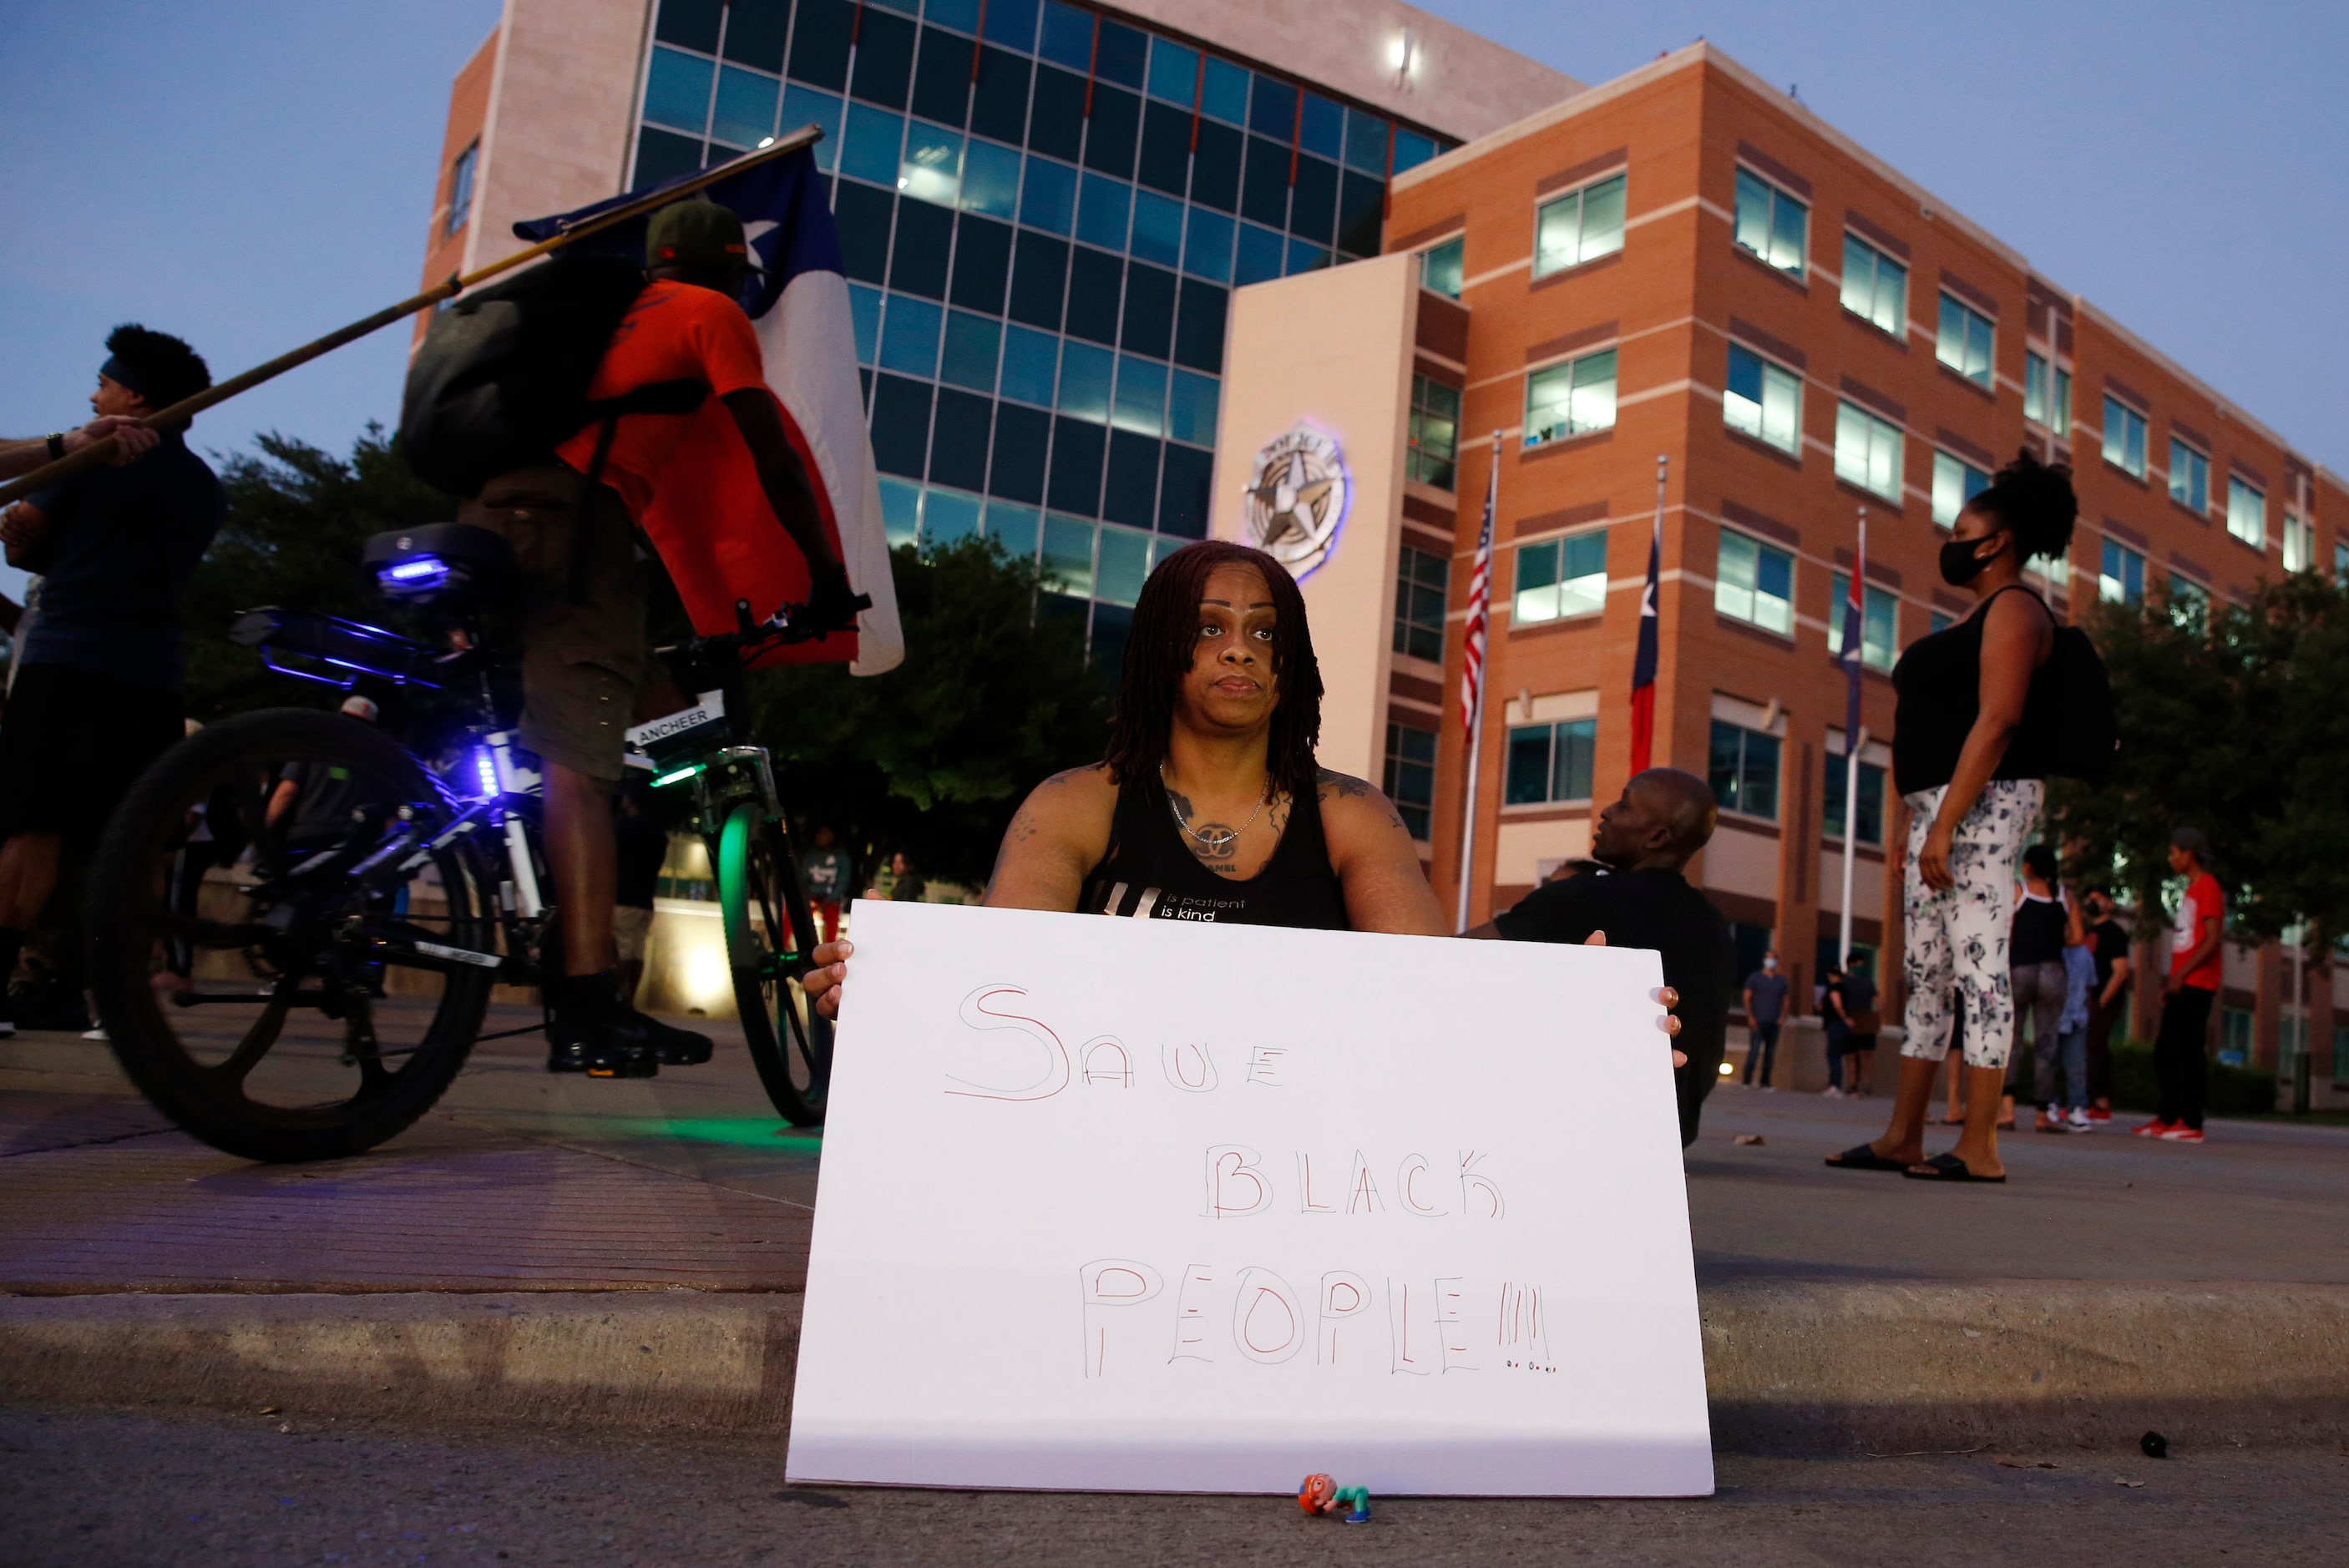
(124, 1489)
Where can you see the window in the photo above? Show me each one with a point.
(2123, 579)
(1871, 799)
(1867, 451)
(1577, 227)
(1411, 776)
(1422, 581)
(1744, 771)
(2247, 514)
(1754, 583)
(1435, 432)
(1571, 398)
(2189, 478)
(1963, 343)
(1550, 762)
(1879, 620)
(2341, 563)
(1560, 577)
(2299, 544)
(2235, 1036)
(1772, 224)
(1955, 482)
(2124, 436)
(1763, 400)
(1875, 287)
(2035, 408)
(2190, 602)
(460, 186)
(1937, 621)
(1439, 267)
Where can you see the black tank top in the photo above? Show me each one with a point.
(1938, 692)
(1148, 874)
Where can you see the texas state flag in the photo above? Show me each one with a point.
(716, 534)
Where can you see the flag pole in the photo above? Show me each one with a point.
(187, 409)
(1476, 695)
(1853, 738)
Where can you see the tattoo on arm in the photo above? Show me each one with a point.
(1345, 787)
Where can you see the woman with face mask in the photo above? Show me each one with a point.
(1968, 741)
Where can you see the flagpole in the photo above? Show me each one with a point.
(1852, 740)
(187, 409)
(1476, 695)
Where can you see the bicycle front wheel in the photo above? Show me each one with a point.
(768, 935)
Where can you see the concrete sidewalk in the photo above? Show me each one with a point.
(553, 1250)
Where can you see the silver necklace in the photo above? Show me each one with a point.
(1218, 840)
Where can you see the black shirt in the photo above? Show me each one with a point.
(1150, 873)
(2111, 943)
(1658, 910)
(1938, 692)
(2037, 936)
(120, 546)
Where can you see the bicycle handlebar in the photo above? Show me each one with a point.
(779, 629)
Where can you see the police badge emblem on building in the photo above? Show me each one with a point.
(1297, 496)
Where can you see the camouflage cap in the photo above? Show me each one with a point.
(696, 234)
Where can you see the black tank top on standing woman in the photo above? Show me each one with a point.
(1150, 873)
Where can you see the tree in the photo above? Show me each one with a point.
(934, 756)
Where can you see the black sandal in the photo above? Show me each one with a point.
(1946, 1167)
(1863, 1158)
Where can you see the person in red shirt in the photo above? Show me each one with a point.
(2180, 1065)
(583, 604)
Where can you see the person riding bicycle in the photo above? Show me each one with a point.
(583, 604)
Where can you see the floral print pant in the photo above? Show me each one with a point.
(1956, 941)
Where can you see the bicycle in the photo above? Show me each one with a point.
(378, 899)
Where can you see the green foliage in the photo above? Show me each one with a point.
(296, 518)
(2231, 722)
(934, 756)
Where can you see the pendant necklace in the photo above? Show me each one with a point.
(1215, 841)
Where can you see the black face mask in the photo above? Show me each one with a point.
(1959, 564)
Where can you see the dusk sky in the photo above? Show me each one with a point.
(249, 176)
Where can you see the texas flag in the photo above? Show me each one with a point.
(710, 521)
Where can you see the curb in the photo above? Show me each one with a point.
(1790, 1367)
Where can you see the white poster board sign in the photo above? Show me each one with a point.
(1154, 1206)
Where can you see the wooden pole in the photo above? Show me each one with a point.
(179, 414)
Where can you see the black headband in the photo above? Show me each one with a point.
(124, 376)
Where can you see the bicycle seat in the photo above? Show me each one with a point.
(438, 559)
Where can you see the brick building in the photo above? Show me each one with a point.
(1684, 263)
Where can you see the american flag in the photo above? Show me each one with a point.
(1480, 612)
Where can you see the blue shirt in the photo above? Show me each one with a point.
(120, 547)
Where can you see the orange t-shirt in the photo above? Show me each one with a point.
(674, 332)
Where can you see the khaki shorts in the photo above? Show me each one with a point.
(582, 632)
(631, 929)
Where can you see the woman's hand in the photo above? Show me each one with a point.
(823, 984)
(1934, 860)
(1664, 994)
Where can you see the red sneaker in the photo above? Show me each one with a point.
(2182, 1135)
(2098, 1113)
(2153, 1128)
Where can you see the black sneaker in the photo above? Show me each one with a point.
(590, 1031)
(46, 1004)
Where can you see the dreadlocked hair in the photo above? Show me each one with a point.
(1158, 654)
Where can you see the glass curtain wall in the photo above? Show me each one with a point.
(1042, 211)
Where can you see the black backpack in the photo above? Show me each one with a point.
(2079, 733)
(502, 376)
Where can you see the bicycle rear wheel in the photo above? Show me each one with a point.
(321, 993)
(764, 908)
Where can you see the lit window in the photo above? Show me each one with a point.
(1771, 223)
(2123, 579)
(1964, 341)
(1435, 432)
(2189, 478)
(1875, 287)
(1937, 621)
(1743, 768)
(2035, 395)
(1411, 776)
(1560, 577)
(2124, 436)
(1579, 227)
(1423, 579)
(1867, 451)
(1955, 482)
(1550, 762)
(1763, 400)
(2247, 514)
(1570, 399)
(2190, 602)
(1439, 267)
(1754, 583)
(1879, 619)
(2299, 544)
(2341, 563)
(1871, 799)
(460, 186)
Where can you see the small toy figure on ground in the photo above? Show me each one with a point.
(1323, 1494)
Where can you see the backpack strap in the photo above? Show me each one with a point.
(679, 396)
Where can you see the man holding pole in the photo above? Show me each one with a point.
(97, 696)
